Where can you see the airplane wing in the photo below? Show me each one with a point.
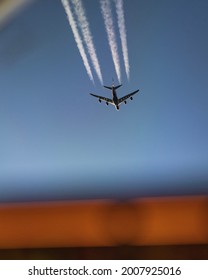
(102, 98)
(122, 99)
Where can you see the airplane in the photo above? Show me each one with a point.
(115, 100)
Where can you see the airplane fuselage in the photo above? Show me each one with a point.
(115, 98)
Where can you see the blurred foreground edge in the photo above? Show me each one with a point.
(146, 221)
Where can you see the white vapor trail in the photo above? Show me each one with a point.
(122, 31)
(108, 20)
(77, 37)
(85, 29)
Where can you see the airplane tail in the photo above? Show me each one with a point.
(113, 87)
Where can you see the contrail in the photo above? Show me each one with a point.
(84, 26)
(77, 37)
(108, 20)
(122, 31)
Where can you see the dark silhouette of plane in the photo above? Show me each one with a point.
(115, 100)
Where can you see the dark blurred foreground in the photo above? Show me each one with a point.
(165, 252)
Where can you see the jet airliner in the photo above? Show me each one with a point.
(115, 100)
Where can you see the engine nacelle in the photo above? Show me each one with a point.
(131, 98)
(125, 102)
(107, 103)
(99, 100)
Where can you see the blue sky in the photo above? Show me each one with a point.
(58, 142)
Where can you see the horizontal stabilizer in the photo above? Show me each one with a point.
(118, 86)
(113, 87)
(108, 87)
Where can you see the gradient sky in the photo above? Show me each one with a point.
(58, 142)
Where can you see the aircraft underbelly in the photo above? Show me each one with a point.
(115, 100)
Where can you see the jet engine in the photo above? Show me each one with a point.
(125, 102)
(131, 98)
(106, 103)
(99, 100)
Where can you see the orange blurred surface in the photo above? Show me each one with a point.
(146, 221)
